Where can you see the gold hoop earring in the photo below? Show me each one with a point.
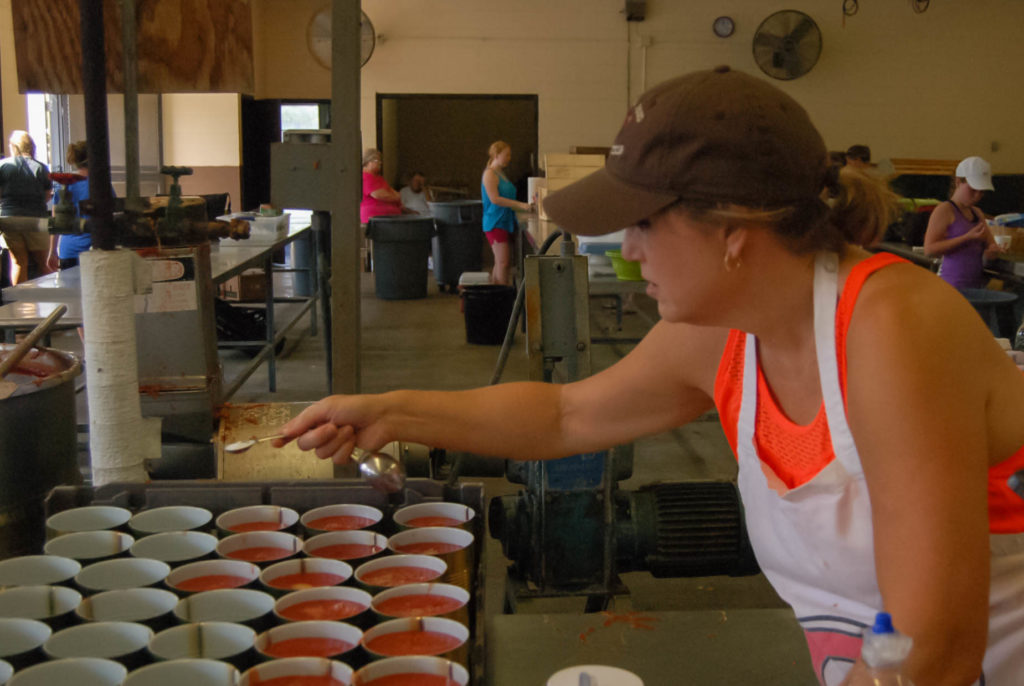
(731, 262)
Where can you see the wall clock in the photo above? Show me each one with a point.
(723, 27)
(318, 37)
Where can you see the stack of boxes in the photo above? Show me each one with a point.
(564, 168)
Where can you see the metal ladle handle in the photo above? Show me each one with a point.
(20, 350)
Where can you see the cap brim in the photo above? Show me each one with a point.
(599, 203)
(980, 184)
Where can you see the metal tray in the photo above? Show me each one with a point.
(219, 496)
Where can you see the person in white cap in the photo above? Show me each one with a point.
(957, 231)
(874, 418)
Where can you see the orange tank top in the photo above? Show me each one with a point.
(796, 453)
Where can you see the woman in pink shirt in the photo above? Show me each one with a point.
(379, 198)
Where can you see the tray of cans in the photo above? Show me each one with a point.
(311, 583)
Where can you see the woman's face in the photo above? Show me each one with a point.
(373, 166)
(504, 157)
(972, 195)
(681, 260)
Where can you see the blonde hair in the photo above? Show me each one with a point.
(22, 143)
(855, 208)
(78, 155)
(864, 207)
(496, 148)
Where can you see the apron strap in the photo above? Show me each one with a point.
(748, 401)
(826, 269)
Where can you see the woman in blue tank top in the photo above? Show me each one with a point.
(499, 200)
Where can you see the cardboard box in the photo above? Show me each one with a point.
(260, 227)
(248, 286)
(571, 167)
(562, 169)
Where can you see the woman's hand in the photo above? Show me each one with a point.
(332, 427)
(978, 232)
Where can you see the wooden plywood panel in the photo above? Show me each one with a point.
(184, 46)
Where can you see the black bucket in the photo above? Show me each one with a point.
(401, 245)
(488, 309)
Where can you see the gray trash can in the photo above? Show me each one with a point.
(401, 245)
(458, 243)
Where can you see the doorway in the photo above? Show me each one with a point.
(262, 124)
(446, 138)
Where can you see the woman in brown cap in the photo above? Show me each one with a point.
(874, 418)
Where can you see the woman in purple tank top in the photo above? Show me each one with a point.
(957, 230)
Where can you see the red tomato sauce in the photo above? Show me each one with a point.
(397, 576)
(302, 580)
(308, 646)
(418, 605)
(347, 551)
(212, 582)
(429, 548)
(255, 526)
(322, 609)
(417, 522)
(413, 643)
(298, 680)
(260, 553)
(412, 680)
(341, 523)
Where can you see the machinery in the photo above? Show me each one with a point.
(571, 530)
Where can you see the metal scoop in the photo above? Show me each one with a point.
(380, 470)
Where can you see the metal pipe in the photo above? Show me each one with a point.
(94, 85)
(130, 67)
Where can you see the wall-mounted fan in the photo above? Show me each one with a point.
(787, 44)
(318, 37)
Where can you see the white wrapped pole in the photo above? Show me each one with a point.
(120, 439)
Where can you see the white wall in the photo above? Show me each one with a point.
(943, 84)
(202, 129)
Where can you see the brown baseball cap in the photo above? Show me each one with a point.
(718, 135)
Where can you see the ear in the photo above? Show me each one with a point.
(735, 237)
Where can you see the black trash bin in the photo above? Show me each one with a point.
(401, 246)
(488, 309)
(458, 243)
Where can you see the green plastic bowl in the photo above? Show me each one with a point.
(624, 269)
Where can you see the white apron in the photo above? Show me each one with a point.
(814, 542)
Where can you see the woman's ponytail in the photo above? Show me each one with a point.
(861, 207)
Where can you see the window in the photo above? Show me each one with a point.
(305, 116)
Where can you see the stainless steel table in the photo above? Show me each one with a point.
(24, 316)
(230, 258)
(28, 303)
(697, 648)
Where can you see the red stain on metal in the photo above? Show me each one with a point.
(634, 620)
(152, 390)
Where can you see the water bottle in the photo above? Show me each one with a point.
(883, 651)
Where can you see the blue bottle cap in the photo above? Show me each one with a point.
(883, 624)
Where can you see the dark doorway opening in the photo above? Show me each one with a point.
(446, 137)
(261, 126)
